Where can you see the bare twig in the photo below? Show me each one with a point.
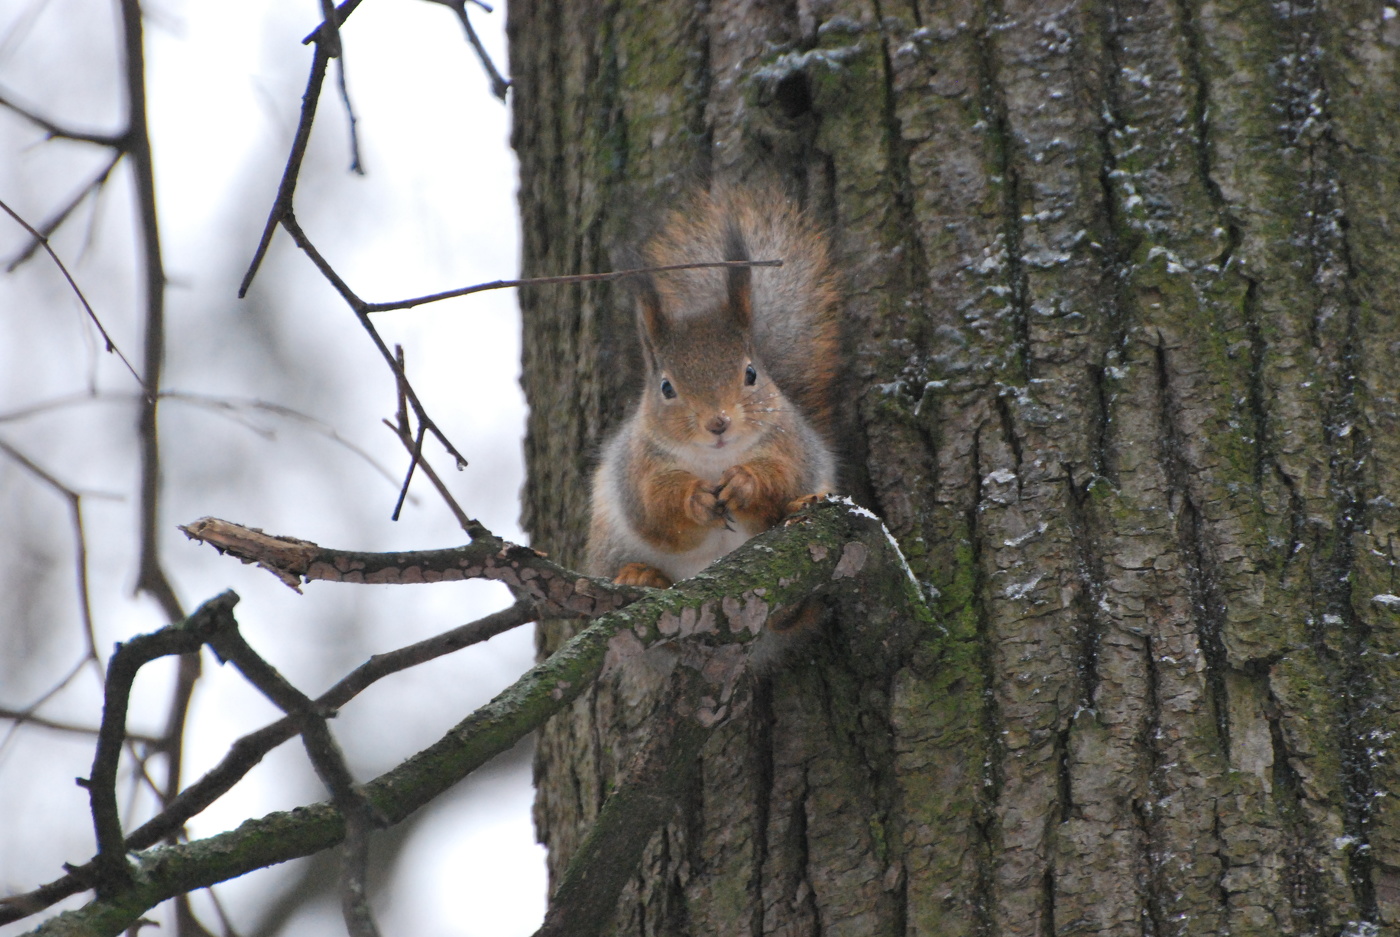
(117, 140)
(44, 242)
(54, 221)
(186, 923)
(335, 48)
(415, 451)
(286, 189)
(230, 405)
(302, 241)
(415, 458)
(75, 508)
(27, 717)
(558, 592)
(342, 13)
(473, 527)
(550, 281)
(27, 713)
(499, 84)
(151, 578)
(356, 165)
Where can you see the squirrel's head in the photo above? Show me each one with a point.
(706, 390)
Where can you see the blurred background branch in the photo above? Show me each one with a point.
(200, 101)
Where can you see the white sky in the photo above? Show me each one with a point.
(436, 211)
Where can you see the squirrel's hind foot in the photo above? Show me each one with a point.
(806, 501)
(640, 574)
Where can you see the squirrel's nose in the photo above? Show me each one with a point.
(718, 424)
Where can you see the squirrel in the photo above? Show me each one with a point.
(734, 428)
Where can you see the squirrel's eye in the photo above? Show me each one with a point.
(667, 390)
(750, 376)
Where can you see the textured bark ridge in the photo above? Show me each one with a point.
(1122, 292)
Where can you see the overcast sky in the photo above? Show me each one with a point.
(435, 211)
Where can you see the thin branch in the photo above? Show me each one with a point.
(499, 84)
(26, 717)
(151, 578)
(548, 281)
(44, 242)
(342, 13)
(28, 712)
(232, 404)
(470, 525)
(302, 241)
(55, 131)
(286, 189)
(228, 407)
(415, 459)
(187, 924)
(75, 510)
(54, 221)
(415, 451)
(356, 166)
(55, 403)
(335, 48)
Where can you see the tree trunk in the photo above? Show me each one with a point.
(1121, 287)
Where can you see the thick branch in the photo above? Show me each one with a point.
(248, 751)
(831, 550)
(329, 762)
(645, 798)
(129, 658)
(559, 592)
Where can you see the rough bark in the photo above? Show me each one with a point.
(1122, 286)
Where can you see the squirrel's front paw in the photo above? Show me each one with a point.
(640, 574)
(738, 488)
(704, 506)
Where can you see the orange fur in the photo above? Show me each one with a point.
(736, 419)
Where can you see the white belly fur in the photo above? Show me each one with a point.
(680, 566)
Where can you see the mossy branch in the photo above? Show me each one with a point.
(832, 553)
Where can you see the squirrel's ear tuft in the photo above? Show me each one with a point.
(740, 278)
(651, 320)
